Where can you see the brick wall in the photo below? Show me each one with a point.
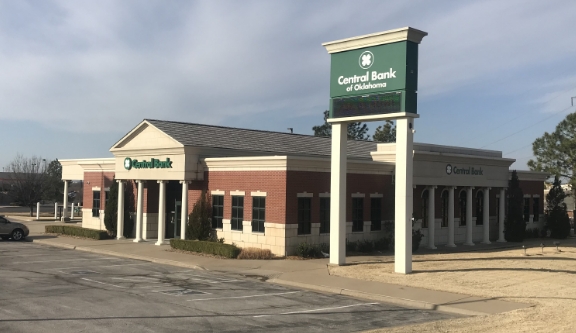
(271, 182)
(319, 182)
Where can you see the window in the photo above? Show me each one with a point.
(95, 203)
(304, 216)
(463, 208)
(258, 213)
(444, 197)
(526, 209)
(237, 212)
(376, 214)
(424, 209)
(324, 215)
(536, 209)
(357, 214)
(479, 208)
(217, 211)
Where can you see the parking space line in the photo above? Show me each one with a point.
(249, 296)
(41, 261)
(316, 310)
(108, 284)
(74, 267)
(136, 280)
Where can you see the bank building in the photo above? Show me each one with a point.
(271, 190)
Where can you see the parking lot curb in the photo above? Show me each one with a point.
(421, 305)
(121, 255)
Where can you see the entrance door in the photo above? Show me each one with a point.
(177, 217)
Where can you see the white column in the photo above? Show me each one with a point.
(120, 212)
(451, 217)
(65, 202)
(140, 202)
(502, 198)
(184, 217)
(55, 210)
(338, 194)
(38, 210)
(161, 212)
(469, 224)
(486, 216)
(403, 196)
(431, 216)
(72, 211)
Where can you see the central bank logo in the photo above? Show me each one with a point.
(127, 163)
(366, 60)
(449, 169)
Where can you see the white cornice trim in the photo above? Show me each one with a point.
(376, 117)
(377, 38)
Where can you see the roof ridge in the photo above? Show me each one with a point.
(249, 129)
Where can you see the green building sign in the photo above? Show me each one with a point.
(377, 79)
(154, 163)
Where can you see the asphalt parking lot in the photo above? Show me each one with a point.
(46, 289)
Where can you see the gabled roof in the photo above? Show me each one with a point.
(277, 143)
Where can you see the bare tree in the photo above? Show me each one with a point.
(27, 177)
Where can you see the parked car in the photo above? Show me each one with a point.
(16, 231)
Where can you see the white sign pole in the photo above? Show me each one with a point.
(338, 194)
(403, 196)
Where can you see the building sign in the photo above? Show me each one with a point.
(367, 73)
(154, 163)
(463, 171)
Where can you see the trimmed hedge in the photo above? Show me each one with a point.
(216, 248)
(77, 231)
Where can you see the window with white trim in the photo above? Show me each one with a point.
(237, 212)
(258, 213)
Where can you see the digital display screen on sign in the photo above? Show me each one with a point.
(366, 105)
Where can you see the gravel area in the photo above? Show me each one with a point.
(545, 280)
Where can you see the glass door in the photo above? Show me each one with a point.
(177, 218)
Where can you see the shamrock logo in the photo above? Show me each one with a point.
(448, 169)
(366, 59)
(127, 163)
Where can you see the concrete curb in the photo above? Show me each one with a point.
(121, 255)
(421, 305)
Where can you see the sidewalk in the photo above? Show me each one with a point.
(308, 274)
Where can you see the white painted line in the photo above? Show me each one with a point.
(315, 310)
(249, 296)
(33, 262)
(50, 269)
(137, 280)
(108, 284)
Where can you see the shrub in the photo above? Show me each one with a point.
(200, 220)
(255, 253)
(514, 224)
(382, 244)
(351, 246)
(557, 220)
(306, 250)
(77, 231)
(528, 233)
(365, 246)
(215, 248)
(417, 236)
(535, 233)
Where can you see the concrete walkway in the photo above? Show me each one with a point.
(309, 274)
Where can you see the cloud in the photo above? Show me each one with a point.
(95, 66)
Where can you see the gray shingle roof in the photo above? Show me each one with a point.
(277, 143)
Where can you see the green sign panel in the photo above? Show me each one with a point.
(154, 163)
(369, 72)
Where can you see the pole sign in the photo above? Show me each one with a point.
(374, 80)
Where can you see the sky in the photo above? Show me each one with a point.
(78, 75)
